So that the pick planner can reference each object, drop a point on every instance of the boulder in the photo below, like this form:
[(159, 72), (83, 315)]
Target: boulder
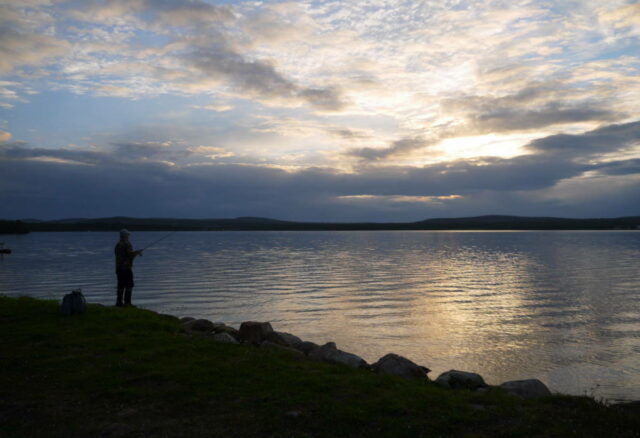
[(186, 319), (461, 380), (255, 332), (287, 339), (199, 325), (276, 339), (224, 337), (529, 388), (273, 346), (307, 347), (329, 353), (399, 366), (223, 328)]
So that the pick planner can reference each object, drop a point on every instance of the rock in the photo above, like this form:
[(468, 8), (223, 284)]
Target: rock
[(399, 366), (220, 327), (461, 380), (224, 337), (307, 347), (223, 328), (529, 388), (273, 346), (186, 319), (288, 339), (199, 325), (255, 332), (276, 339), (329, 353)]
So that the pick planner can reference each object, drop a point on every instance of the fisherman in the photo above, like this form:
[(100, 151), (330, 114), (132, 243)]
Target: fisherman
[(124, 264)]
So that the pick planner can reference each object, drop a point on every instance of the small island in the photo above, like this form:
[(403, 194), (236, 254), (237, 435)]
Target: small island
[(129, 372)]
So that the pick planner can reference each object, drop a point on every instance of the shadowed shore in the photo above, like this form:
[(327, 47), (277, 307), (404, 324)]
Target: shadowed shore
[(133, 372)]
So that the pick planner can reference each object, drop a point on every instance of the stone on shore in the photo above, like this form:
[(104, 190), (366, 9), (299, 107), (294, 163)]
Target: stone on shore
[(529, 388), (186, 319), (307, 347), (286, 339), (396, 365), (329, 353), (255, 332), (224, 337), (461, 380), (199, 325), (273, 346), (219, 327)]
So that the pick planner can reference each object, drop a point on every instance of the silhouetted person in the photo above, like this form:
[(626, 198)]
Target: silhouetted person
[(124, 268)]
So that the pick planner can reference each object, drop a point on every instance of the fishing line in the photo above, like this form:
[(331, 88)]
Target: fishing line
[(157, 241)]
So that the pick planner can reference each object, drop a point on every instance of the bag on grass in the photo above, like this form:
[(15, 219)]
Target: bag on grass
[(73, 303)]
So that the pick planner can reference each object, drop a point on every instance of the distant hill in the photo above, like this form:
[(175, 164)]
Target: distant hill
[(13, 227), (496, 222), (491, 222)]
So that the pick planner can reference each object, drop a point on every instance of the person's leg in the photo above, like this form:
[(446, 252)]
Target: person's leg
[(128, 288), (119, 300), (120, 297)]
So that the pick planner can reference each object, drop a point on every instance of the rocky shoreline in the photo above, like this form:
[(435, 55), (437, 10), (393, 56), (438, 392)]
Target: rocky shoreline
[(262, 335)]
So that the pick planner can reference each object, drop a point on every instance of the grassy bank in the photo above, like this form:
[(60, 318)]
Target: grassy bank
[(131, 372)]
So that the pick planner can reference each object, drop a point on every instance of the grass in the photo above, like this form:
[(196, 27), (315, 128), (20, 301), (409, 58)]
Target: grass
[(132, 372)]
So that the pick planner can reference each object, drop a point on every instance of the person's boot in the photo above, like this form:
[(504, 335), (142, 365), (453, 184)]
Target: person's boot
[(119, 302)]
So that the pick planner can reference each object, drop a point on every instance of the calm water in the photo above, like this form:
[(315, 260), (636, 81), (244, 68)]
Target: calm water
[(563, 307)]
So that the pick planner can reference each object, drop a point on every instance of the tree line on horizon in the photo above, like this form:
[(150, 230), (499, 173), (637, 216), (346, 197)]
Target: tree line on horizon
[(491, 222)]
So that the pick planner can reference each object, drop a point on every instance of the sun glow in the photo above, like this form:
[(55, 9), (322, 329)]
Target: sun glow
[(491, 145)]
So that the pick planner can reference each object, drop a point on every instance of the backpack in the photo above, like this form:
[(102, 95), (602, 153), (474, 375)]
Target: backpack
[(73, 303)]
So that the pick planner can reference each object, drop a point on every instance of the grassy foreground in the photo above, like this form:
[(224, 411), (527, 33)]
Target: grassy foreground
[(131, 372)]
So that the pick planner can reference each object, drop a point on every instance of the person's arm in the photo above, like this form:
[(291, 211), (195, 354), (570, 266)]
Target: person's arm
[(133, 253)]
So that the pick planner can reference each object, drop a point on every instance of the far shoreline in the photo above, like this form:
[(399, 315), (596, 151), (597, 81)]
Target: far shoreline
[(478, 223)]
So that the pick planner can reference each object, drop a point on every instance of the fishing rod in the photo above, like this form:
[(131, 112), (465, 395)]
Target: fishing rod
[(157, 241)]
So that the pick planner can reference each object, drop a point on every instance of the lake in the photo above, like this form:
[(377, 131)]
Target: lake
[(560, 306)]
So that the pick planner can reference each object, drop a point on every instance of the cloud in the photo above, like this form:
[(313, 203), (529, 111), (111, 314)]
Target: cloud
[(399, 147), (627, 16), (218, 108), (533, 107), (22, 42), (140, 179), (365, 92), (609, 138), (67, 188), (187, 13), (4, 136), (256, 78), (620, 167)]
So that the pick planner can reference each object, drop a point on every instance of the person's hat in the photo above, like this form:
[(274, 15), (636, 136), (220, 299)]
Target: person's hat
[(124, 232)]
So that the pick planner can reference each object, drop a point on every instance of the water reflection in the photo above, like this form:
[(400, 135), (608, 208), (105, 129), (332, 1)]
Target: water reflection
[(560, 306)]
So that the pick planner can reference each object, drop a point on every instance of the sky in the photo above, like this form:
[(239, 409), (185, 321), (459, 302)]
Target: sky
[(374, 110)]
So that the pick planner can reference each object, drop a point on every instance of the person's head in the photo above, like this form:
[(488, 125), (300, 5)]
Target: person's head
[(124, 234)]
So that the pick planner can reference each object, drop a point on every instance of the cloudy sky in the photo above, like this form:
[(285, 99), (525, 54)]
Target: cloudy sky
[(354, 110)]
